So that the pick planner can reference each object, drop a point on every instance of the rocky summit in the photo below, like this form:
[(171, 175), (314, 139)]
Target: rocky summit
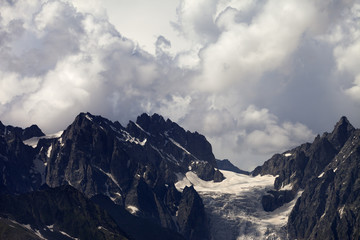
[(326, 171), (134, 166), (151, 179)]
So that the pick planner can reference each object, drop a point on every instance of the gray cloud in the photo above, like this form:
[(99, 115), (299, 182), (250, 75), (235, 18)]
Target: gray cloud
[(261, 76)]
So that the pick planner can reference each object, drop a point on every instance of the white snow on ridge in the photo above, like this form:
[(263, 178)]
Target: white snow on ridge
[(234, 206), (64, 233), (178, 145), (287, 187), (128, 138), (110, 176), (88, 117), (137, 125), (287, 154), (32, 142), (28, 227)]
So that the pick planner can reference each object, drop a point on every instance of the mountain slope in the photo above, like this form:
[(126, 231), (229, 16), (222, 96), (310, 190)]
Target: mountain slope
[(18, 161), (327, 171), (135, 166), (152, 179), (228, 166), (56, 213), (330, 203)]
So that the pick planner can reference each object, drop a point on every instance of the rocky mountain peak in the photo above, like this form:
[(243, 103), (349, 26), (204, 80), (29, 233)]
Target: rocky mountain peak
[(342, 130), (32, 131), (2, 128), (23, 134), (154, 124)]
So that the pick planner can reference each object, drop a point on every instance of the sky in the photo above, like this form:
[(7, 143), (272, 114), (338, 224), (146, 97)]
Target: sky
[(256, 77)]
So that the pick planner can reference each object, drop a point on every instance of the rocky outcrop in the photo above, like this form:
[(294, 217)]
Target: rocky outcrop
[(191, 216), (17, 165), (275, 199)]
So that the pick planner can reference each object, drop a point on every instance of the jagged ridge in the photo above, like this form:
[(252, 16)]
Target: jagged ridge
[(327, 171), (136, 166)]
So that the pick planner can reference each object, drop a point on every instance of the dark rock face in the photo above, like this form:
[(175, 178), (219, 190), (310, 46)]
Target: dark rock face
[(57, 210), (131, 165), (275, 199), (327, 171), (192, 149), (299, 165), (135, 227), (228, 166), (17, 165), (191, 216), (330, 203), (23, 134), (135, 166)]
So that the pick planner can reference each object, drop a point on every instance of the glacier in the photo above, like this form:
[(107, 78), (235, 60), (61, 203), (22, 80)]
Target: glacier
[(234, 208)]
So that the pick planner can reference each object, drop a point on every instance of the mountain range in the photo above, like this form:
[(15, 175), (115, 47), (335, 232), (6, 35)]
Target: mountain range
[(154, 180)]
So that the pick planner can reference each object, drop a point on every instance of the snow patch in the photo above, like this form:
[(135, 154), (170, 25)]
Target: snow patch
[(51, 227), (287, 187), (143, 142), (179, 146), (321, 175), (64, 233), (287, 154), (48, 154), (341, 211), (37, 233), (32, 142), (132, 209), (61, 142), (169, 157), (109, 175), (28, 227), (88, 117), (128, 138), (142, 129), (102, 228)]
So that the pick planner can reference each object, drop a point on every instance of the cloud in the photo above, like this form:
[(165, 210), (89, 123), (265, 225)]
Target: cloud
[(346, 37), (195, 20), (77, 62), (257, 77), (244, 52), (254, 134)]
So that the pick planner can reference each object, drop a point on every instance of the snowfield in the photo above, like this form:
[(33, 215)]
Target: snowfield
[(234, 206)]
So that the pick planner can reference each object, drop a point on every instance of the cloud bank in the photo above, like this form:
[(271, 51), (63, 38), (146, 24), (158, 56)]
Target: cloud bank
[(257, 77)]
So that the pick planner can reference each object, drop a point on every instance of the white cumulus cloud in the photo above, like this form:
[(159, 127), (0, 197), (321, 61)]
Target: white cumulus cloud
[(255, 77)]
